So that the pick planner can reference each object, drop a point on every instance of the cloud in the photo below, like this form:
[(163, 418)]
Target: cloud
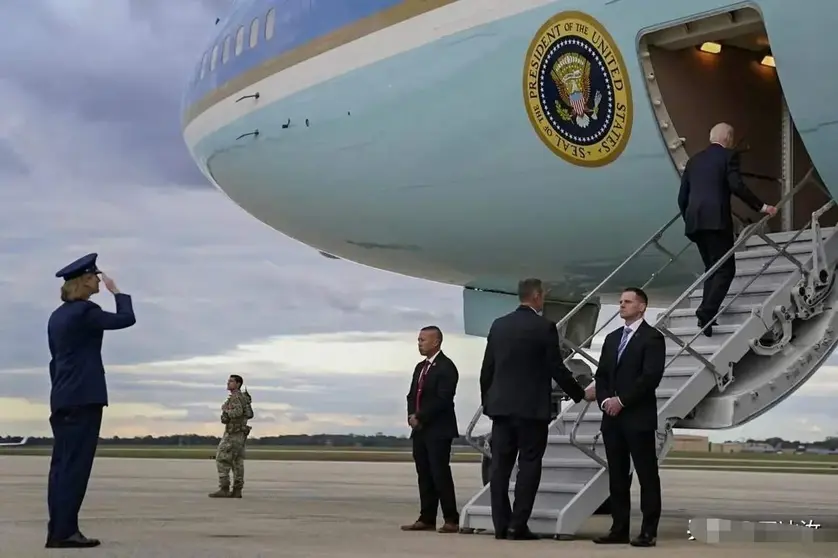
[(91, 159)]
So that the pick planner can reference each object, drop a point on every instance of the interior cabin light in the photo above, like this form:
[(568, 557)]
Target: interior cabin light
[(713, 48), (768, 60)]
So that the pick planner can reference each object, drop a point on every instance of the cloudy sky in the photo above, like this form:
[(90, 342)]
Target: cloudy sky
[(91, 159)]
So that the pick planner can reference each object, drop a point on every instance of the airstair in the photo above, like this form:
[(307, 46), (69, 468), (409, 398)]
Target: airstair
[(775, 328)]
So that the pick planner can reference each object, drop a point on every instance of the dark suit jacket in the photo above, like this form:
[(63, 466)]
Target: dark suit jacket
[(521, 360), (437, 418), (74, 333), (711, 176), (634, 379)]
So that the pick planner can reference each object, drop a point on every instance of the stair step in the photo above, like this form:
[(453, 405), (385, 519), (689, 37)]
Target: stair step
[(678, 372), (686, 359), (800, 251), (783, 237), (571, 470), (754, 295), (541, 520), (564, 439), (687, 333), (584, 463), (769, 279), (486, 511), (676, 376), (556, 487), (735, 314)]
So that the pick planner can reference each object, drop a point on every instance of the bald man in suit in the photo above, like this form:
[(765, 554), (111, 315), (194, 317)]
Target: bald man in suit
[(709, 179)]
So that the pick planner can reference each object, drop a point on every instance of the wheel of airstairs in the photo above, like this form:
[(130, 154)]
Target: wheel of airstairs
[(777, 325)]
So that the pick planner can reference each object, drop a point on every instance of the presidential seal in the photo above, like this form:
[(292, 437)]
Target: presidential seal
[(576, 90)]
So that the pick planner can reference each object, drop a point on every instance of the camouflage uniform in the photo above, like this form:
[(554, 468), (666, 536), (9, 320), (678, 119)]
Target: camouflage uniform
[(235, 412)]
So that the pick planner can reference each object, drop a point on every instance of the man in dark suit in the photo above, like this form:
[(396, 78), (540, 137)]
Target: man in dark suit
[(630, 369), (78, 393), (521, 360), (709, 179), (431, 416)]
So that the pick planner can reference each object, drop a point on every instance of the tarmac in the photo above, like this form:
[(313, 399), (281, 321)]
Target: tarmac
[(160, 508)]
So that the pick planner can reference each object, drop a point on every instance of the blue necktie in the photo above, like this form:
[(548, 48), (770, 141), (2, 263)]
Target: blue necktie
[(623, 342)]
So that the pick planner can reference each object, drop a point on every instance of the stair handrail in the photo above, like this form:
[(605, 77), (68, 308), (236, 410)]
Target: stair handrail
[(652, 240), (780, 252), (747, 232)]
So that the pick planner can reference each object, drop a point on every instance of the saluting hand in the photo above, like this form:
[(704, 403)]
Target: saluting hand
[(109, 284)]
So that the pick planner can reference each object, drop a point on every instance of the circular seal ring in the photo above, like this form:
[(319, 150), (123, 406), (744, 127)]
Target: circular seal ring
[(577, 91)]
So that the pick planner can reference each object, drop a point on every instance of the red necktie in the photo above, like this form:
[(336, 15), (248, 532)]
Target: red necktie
[(420, 383)]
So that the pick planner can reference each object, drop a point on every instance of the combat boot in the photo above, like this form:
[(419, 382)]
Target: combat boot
[(237, 492), (220, 493)]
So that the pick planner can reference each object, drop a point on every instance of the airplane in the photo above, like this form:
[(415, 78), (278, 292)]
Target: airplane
[(22, 442), (478, 142)]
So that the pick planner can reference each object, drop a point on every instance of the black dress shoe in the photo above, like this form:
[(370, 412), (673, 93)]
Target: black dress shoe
[(709, 331), (644, 540), (521, 535), (612, 538), (500, 534), (74, 541)]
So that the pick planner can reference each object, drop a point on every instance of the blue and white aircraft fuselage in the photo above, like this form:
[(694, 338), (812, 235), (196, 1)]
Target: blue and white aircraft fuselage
[(475, 142)]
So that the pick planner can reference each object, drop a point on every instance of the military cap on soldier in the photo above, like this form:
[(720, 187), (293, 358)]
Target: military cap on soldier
[(85, 264)]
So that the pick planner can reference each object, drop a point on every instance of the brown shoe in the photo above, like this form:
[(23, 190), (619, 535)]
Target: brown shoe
[(419, 526), (449, 527), (220, 493)]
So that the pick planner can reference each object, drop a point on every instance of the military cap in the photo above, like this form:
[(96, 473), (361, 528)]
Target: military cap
[(85, 264)]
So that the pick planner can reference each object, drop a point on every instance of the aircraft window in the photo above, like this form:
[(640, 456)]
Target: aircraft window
[(270, 21), (239, 40), (214, 59), (204, 59), (254, 33), (225, 54)]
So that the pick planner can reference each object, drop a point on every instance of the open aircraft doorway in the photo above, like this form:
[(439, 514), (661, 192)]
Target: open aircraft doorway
[(718, 67)]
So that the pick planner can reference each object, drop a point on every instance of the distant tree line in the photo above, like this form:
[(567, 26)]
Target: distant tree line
[(324, 440), (338, 440)]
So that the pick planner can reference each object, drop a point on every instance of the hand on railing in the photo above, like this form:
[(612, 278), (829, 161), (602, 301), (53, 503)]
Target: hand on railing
[(768, 209)]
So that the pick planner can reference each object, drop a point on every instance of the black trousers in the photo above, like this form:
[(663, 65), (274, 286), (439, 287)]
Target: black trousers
[(712, 245), (432, 457), (622, 443), (76, 435), (525, 440)]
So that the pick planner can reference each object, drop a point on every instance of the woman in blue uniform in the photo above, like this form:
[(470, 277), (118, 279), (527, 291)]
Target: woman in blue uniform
[(78, 393)]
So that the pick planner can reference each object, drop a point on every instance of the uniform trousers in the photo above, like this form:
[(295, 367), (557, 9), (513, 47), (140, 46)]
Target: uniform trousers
[(230, 455), (75, 433)]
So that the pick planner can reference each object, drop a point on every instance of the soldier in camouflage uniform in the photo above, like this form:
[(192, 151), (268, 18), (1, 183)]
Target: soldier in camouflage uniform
[(235, 412)]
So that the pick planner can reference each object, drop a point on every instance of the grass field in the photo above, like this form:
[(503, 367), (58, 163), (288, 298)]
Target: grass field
[(757, 462)]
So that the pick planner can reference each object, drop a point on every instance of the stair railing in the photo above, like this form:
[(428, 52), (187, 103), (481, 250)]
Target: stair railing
[(724, 379), (747, 232), (653, 240)]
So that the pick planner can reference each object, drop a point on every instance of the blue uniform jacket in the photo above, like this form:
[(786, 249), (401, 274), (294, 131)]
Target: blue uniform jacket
[(75, 332)]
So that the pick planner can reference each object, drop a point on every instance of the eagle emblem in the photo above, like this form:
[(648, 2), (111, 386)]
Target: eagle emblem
[(572, 75)]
